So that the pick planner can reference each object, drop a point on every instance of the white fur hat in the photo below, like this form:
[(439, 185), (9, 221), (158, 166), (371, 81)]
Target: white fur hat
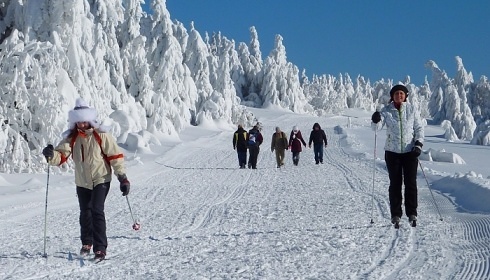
[(82, 113)]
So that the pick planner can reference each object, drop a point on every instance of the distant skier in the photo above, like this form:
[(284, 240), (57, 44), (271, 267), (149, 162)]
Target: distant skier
[(95, 153), (295, 141), (405, 135), (318, 137), (279, 144), (240, 145), (254, 141)]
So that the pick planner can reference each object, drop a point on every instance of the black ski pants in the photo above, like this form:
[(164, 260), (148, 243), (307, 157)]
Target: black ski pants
[(318, 150), (254, 154), (92, 216), (242, 158), (402, 168)]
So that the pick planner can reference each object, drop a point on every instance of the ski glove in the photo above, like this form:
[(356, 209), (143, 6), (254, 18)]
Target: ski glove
[(48, 151), (124, 187), (376, 117), (417, 149)]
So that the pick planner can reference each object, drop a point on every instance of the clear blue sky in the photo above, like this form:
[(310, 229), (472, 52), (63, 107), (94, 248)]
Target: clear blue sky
[(377, 39)]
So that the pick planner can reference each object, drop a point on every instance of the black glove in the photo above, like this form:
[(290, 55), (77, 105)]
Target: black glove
[(417, 149), (124, 187), (48, 151), (376, 117)]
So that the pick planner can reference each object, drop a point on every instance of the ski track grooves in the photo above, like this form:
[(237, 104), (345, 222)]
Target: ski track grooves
[(268, 223), (392, 259), (212, 204), (404, 246), (475, 255)]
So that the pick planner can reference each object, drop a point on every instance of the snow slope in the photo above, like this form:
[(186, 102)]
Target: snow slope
[(203, 218)]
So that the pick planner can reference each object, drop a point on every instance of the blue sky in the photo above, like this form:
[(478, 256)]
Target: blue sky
[(376, 39)]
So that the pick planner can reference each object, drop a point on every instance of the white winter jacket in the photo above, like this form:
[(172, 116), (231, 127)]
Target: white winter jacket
[(91, 168), (403, 127)]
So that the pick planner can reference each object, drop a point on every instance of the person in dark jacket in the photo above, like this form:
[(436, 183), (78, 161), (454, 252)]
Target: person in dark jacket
[(318, 137), (405, 137), (240, 145), (295, 141), (254, 141), (279, 143)]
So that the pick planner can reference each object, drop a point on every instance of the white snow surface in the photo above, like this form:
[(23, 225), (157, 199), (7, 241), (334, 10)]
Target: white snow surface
[(204, 218)]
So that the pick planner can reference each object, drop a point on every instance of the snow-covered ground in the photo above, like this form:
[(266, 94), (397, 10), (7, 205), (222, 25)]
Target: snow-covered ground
[(203, 218)]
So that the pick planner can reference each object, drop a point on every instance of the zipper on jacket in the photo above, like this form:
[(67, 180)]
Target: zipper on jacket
[(401, 129), (83, 154)]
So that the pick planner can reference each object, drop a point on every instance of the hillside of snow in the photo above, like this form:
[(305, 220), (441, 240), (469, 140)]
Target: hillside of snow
[(204, 218)]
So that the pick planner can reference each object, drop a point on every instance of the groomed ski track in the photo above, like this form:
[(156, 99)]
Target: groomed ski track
[(203, 218)]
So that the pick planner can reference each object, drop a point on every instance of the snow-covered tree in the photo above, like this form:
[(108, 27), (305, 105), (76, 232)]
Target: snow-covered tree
[(175, 91), (281, 86), (449, 133), (449, 102), (482, 134)]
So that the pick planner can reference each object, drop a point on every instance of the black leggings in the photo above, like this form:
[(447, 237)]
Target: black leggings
[(92, 217), (402, 168)]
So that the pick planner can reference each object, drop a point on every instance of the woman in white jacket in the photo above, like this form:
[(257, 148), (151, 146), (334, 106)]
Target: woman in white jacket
[(404, 141), (96, 155)]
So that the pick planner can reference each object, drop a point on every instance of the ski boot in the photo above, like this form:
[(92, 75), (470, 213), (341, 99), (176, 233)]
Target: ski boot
[(413, 220), (396, 222), (99, 256), (85, 251)]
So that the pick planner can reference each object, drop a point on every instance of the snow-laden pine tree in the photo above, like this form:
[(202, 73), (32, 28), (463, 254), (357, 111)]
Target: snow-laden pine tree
[(424, 95), (175, 91), (362, 97), (196, 58), (325, 93), (280, 85), (55, 52), (449, 101), (439, 83), (136, 73), (463, 79), (251, 60), (237, 73), (482, 134), (481, 100)]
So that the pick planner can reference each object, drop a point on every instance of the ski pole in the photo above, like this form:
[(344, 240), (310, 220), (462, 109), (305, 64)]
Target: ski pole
[(374, 173), (45, 255), (427, 181), (136, 225)]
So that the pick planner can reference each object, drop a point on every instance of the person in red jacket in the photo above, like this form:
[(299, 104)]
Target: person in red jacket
[(295, 141)]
